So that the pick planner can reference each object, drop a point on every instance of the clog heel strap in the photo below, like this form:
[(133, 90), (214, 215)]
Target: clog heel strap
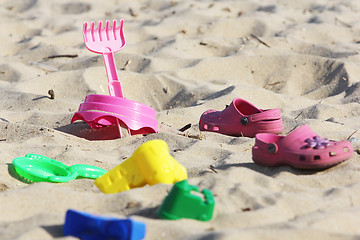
[(266, 115)]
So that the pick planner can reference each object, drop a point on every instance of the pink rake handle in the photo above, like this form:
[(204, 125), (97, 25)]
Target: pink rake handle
[(114, 83), (113, 79)]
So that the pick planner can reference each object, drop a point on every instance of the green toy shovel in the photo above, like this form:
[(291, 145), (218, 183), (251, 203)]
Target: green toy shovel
[(38, 168)]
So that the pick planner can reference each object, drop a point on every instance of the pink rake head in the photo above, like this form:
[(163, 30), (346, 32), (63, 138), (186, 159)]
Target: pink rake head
[(108, 39)]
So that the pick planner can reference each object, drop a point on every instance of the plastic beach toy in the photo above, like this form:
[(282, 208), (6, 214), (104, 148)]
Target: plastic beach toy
[(302, 148), (150, 164), (182, 203), (38, 168), (99, 110), (241, 118), (91, 227)]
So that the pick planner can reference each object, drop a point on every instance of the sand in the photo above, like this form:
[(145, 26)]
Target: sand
[(182, 58)]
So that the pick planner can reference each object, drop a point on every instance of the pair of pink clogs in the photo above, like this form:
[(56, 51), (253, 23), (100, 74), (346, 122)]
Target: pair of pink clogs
[(302, 148)]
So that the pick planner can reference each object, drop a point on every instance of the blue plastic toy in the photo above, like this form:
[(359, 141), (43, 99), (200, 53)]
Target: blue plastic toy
[(91, 227)]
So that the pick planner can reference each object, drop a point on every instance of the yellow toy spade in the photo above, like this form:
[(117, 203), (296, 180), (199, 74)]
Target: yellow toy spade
[(150, 164)]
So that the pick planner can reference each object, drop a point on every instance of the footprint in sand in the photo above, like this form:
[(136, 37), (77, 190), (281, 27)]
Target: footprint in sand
[(8, 74), (19, 5), (326, 52), (319, 78), (75, 8), (352, 93)]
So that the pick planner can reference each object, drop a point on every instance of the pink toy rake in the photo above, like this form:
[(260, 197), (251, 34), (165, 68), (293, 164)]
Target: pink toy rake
[(101, 110), (107, 41)]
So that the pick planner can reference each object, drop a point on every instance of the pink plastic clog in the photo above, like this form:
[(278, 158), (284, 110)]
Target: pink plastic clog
[(241, 118), (302, 148)]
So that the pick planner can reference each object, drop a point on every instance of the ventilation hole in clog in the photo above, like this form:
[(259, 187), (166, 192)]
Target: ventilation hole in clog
[(302, 158), (205, 126), (316, 157), (331, 154), (346, 149), (216, 129)]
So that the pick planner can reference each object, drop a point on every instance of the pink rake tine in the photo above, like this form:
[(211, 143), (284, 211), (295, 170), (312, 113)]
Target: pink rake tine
[(106, 41), (107, 29), (100, 23), (92, 30)]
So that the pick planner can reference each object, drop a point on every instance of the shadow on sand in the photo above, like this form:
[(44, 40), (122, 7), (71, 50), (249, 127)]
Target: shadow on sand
[(83, 130)]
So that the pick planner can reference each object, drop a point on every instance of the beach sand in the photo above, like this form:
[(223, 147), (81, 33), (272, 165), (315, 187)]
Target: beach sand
[(182, 58)]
